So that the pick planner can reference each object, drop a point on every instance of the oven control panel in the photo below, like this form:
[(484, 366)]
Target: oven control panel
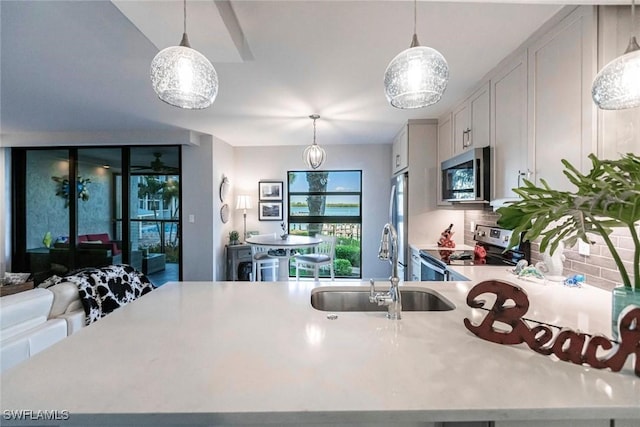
[(492, 235)]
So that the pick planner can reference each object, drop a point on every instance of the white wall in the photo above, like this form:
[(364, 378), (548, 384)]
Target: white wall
[(253, 164), (204, 239), (5, 213)]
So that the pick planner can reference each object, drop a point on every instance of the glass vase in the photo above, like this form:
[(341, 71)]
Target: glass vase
[(622, 298)]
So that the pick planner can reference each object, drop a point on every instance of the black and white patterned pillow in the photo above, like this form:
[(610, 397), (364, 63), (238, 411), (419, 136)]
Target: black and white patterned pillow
[(103, 290)]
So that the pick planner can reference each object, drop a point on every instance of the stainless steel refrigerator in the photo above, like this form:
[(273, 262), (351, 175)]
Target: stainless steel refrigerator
[(398, 216)]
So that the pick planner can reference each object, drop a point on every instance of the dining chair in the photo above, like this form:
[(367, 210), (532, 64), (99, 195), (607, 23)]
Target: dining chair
[(323, 254), (261, 260)]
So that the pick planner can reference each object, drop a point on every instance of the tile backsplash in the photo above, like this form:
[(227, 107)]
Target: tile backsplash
[(598, 267)]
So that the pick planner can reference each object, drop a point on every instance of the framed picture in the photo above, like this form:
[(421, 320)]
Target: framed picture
[(270, 190), (270, 211)]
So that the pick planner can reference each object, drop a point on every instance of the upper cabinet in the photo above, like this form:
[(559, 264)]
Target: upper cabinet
[(471, 121), (415, 146), (537, 107), (562, 124), (423, 170), (400, 151), (509, 127)]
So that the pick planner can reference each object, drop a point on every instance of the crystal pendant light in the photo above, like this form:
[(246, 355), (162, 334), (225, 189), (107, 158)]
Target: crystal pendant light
[(314, 155), (416, 77), (182, 76), (617, 85)]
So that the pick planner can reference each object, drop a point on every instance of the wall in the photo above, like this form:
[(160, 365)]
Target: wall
[(204, 239), (253, 164), (599, 268), (5, 212), (223, 165)]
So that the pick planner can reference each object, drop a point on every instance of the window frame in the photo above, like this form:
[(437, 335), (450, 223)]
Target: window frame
[(326, 219)]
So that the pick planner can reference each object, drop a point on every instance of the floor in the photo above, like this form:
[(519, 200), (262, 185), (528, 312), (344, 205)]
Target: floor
[(169, 274)]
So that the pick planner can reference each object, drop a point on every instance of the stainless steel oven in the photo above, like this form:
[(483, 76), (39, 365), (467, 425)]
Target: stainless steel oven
[(491, 249), (432, 269)]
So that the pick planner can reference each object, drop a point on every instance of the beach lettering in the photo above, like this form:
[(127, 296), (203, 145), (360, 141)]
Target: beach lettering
[(509, 309)]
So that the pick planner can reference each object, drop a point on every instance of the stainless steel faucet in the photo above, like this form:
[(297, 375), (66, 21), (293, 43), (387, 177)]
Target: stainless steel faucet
[(389, 251)]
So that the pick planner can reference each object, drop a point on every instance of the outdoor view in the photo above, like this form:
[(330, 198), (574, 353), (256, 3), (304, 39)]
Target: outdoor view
[(329, 202)]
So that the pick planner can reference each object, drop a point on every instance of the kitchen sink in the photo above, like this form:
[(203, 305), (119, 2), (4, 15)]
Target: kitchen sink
[(357, 299)]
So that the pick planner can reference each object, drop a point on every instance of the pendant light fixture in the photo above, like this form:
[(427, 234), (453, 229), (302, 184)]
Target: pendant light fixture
[(617, 85), (314, 155), (416, 77), (182, 76)]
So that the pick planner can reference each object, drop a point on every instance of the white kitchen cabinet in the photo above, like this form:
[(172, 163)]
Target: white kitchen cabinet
[(423, 175), (400, 151), (561, 113), (445, 150), (471, 121), (509, 127)]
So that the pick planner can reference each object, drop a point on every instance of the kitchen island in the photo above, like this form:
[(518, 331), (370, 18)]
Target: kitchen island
[(206, 353)]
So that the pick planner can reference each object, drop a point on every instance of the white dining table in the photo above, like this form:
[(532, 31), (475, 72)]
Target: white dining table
[(286, 249)]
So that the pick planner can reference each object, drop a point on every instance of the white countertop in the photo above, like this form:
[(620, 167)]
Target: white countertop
[(435, 247), (242, 352)]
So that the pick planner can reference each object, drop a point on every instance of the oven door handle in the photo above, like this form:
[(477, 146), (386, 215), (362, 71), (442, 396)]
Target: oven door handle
[(436, 266)]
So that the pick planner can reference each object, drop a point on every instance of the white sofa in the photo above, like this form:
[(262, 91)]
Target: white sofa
[(33, 320)]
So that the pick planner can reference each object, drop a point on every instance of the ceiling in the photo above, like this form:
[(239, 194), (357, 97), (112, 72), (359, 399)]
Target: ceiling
[(83, 66)]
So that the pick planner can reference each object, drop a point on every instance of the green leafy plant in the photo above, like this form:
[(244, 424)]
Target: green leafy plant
[(350, 253), (234, 236), (607, 197), (342, 267)]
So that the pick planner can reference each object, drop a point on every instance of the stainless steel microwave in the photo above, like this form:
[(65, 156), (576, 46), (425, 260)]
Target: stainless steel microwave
[(467, 176)]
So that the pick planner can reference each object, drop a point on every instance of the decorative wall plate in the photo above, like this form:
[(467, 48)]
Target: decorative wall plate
[(224, 189), (224, 213)]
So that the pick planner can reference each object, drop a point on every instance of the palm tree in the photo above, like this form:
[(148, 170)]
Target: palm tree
[(317, 183), (151, 188)]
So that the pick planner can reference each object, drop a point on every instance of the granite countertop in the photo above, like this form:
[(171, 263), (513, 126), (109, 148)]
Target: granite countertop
[(247, 353)]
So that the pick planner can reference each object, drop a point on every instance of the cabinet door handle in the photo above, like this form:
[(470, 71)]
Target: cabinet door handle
[(397, 160), (466, 142), (521, 174)]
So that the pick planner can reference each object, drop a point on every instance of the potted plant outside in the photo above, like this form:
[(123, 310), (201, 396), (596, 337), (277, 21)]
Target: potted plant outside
[(234, 236), (606, 197)]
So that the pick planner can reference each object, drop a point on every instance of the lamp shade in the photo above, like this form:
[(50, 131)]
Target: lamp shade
[(417, 77), (314, 156), (243, 202), (617, 85), (183, 77)]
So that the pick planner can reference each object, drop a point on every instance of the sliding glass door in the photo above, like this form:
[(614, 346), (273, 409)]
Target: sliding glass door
[(89, 207), (154, 215)]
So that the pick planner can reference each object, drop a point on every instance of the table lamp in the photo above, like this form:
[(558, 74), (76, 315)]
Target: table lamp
[(244, 202)]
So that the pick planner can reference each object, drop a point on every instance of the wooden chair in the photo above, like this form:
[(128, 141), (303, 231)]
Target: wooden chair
[(262, 261), (323, 254)]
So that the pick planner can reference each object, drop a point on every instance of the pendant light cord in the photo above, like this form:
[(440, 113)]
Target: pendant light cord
[(415, 14), (314, 131), (633, 15), (184, 9), (414, 39), (633, 44)]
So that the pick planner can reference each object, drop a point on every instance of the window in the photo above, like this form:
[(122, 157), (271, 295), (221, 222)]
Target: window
[(329, 202)]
